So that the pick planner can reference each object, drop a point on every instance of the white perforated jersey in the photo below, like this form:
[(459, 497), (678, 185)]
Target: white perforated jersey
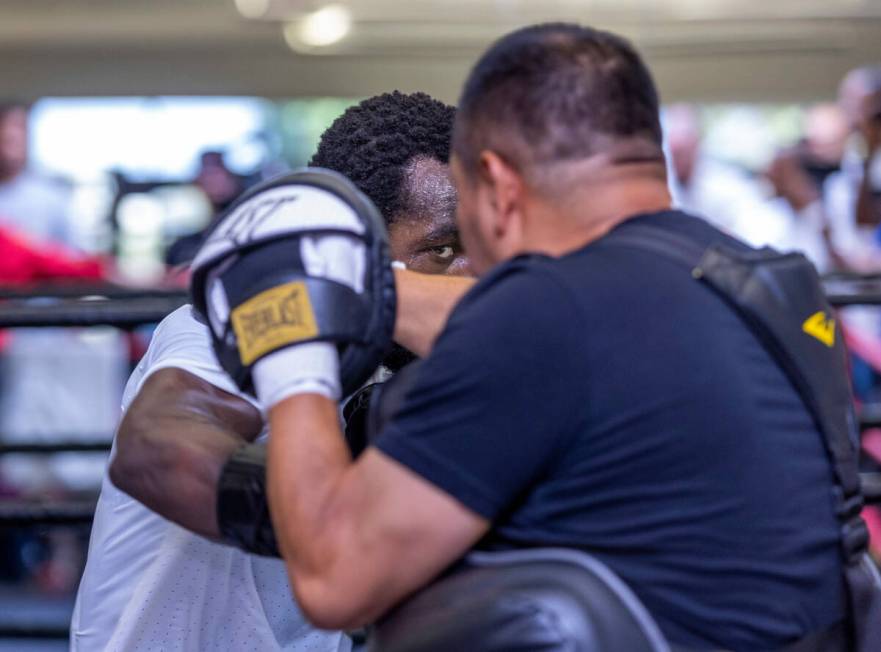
[(151, 585)]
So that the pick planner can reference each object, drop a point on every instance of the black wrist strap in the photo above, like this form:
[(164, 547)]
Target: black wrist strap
[(242, 507)]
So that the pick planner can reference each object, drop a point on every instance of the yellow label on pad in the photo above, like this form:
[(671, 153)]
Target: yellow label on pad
[(274, 318), (820, 326)]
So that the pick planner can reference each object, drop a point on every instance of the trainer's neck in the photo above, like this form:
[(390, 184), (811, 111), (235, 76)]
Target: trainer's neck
[(588, 207)]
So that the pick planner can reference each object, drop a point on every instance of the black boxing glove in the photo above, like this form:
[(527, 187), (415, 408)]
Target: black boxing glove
[(242, 505)]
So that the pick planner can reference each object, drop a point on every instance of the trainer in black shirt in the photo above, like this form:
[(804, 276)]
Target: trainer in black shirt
[(605, 400), (583, 394)]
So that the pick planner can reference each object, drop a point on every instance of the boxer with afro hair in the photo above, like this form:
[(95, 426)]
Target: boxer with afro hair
[(390, 132), (396, 147)]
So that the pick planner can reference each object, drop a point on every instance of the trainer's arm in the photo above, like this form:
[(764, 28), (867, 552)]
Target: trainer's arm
[(356, 537), (173, 442), (425, 301)]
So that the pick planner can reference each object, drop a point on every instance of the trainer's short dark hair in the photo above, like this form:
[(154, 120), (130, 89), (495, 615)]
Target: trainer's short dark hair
[(555, 92), (374, 143)]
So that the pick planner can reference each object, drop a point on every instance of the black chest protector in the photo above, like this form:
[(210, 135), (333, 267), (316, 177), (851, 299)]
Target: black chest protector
[(780, 298)]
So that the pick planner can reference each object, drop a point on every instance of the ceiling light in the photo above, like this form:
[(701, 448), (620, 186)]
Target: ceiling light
[(252, 8), (319, 29)]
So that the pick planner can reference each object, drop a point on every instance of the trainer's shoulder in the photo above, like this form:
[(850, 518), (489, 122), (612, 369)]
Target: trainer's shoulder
[(525, 295), (521, 279)]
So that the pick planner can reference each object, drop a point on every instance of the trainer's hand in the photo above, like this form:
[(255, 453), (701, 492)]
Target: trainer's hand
[(297, 289)]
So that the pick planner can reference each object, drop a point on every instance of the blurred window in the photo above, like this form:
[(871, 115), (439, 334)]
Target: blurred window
[(132, 161)]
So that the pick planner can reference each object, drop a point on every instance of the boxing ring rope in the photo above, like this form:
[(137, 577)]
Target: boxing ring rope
[(77, 305), (83, 290), (867, 298), (46, 513), (32, 631), (61, 445), (71, 305), (120, 312)]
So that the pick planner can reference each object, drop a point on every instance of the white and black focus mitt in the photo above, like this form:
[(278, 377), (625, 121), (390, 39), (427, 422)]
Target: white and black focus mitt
[(296, 285)]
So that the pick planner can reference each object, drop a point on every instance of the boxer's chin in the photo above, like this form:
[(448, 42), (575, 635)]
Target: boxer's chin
[(398, 358)]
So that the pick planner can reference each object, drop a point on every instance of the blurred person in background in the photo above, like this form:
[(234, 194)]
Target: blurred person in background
[(797, 176), (221, 186), (699, 183), (22, 262), (33, 202), (851, 199), (38, 393), (55, 384), (821, 148), (728, 197), (853, 195)]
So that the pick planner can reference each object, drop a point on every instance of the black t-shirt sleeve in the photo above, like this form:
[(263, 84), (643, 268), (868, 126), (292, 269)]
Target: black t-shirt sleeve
[(494, 402)]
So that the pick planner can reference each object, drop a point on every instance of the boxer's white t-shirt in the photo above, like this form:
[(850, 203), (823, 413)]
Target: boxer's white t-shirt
[(151, 585)]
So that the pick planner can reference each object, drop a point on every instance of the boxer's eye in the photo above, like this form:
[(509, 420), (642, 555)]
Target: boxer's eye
[(444, 253)]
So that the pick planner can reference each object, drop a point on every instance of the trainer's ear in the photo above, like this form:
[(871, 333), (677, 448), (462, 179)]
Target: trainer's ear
[(506, 190)]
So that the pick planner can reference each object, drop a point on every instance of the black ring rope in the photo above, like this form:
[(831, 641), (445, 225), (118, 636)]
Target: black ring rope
[(33, 631), (16, 514), (60, 445), (122, 313), (81, 290), (108, 305), (871, 485), (855, 299)]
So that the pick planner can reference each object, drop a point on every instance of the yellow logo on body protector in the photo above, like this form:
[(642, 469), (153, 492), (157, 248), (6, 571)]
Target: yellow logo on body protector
[(820, 326), (274, 318)]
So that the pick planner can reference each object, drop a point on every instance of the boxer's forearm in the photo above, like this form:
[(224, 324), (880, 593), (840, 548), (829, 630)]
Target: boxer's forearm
[(424, 304), (173, 442)]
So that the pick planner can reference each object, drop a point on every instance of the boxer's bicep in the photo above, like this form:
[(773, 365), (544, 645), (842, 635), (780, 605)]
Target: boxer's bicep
[(173, 442)]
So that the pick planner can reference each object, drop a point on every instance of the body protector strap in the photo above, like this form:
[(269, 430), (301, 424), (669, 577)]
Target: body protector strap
[(780, 298)]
